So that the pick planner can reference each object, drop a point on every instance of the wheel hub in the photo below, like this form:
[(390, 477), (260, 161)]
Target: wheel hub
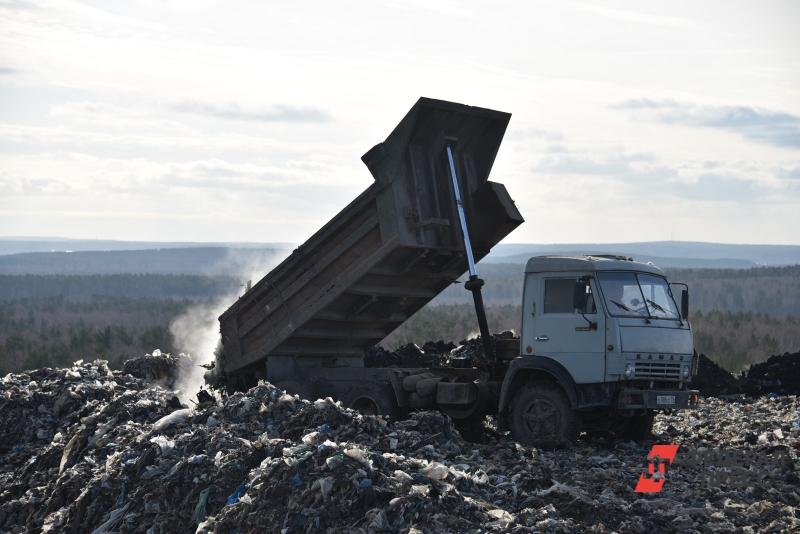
[(541, 418)]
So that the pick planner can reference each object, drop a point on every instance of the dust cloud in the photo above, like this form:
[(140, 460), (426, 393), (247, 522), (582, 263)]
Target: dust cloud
[(196, 331)]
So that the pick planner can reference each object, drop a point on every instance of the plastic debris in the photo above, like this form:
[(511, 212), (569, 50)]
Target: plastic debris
[(200, 510), (178, 416), (237, 493)]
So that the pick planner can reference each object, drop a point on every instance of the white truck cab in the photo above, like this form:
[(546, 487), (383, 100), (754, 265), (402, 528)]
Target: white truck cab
[(630, 320), (611, 333)]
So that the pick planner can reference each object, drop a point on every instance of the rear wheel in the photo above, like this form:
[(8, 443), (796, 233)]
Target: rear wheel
[(371, 399), (541, 412)]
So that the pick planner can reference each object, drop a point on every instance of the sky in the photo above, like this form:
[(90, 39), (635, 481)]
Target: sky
[(201, 120)]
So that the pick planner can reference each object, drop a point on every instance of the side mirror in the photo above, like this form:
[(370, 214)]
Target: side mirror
[(579, 295), (685, 304)]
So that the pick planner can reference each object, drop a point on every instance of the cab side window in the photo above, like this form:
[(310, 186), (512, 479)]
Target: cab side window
[(558, 295)]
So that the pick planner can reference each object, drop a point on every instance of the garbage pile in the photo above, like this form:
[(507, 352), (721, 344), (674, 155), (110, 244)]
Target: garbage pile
[(780, 374), (469, 352), (86, 449), (432, 354), (711, 379)]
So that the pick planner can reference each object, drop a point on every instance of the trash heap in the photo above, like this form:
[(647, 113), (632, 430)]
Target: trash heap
[(780, 374), (432, 354), (471, 350), (86, 449), (711, 379)]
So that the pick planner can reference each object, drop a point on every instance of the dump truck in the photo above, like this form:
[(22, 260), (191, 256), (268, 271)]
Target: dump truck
[(602, 343)]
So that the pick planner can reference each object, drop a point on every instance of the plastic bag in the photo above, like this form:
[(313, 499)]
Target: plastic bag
[(178, 416), (166, 447)]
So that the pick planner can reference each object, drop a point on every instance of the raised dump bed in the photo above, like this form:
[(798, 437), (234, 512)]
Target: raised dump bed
[(384, 256)]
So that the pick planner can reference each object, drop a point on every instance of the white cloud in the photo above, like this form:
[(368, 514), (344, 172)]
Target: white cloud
[(246, 121), (274, 113), (777, 128)]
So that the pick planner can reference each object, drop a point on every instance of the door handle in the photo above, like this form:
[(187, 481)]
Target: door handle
[(542, 338)]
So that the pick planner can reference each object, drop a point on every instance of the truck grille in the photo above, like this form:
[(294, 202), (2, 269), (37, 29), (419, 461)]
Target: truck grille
[(670, 371)]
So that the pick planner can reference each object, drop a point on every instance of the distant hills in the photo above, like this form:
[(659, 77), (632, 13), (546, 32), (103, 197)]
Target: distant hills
[(252, 262), (17, 245), (666, 254), (49, 256), (664, 263)]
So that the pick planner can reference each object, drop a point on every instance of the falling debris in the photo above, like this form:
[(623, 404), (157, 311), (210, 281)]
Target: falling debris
[(157, 367)]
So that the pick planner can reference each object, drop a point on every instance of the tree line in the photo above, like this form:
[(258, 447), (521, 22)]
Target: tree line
[(53, 331), (738, 316)]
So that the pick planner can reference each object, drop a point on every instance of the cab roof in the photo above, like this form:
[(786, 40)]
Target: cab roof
[(540, 264)]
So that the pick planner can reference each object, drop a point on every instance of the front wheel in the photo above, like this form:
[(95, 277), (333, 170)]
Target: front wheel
[(541, 412)]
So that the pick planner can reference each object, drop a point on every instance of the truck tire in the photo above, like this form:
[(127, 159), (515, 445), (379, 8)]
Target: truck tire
[(371, 399), (541, 413), (294, 388), (636, 428)]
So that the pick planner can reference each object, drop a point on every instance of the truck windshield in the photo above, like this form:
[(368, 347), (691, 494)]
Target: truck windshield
[(657, 296), (637, 294)]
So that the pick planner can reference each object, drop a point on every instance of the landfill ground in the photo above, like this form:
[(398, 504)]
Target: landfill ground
[(85, 449)]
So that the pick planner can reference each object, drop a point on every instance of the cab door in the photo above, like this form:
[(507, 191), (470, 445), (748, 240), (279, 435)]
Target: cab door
[(560, 331)]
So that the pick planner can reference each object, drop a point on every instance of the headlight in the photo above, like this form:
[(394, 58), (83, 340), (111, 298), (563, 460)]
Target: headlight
[(685, 372), (628, 370)]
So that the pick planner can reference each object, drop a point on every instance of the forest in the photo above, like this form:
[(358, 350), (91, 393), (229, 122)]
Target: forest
[(54, 331), (739, 316)]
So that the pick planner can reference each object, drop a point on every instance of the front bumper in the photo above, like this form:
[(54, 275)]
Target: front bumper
[(657, 399)]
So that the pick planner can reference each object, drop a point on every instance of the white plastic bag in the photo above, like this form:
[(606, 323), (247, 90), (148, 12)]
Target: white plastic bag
[(178, 416)]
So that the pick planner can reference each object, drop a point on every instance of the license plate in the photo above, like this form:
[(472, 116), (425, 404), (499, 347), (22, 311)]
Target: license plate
[(665, 399)]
